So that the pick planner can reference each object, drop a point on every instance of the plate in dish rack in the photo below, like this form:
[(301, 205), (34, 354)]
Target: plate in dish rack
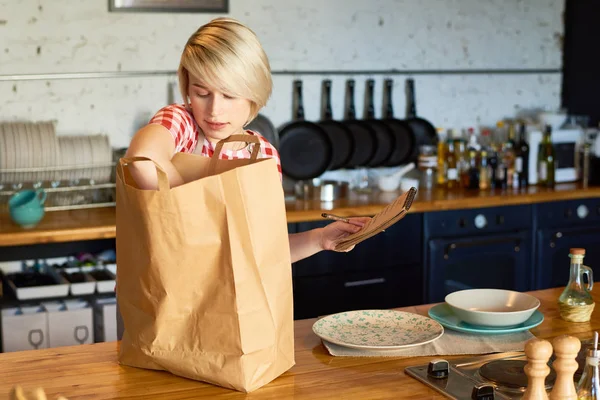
[(377, 329)]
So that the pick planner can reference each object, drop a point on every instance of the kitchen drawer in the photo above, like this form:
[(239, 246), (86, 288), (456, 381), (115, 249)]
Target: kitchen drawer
[(477, 221), (568, 213), (322, 295), (401, 244)]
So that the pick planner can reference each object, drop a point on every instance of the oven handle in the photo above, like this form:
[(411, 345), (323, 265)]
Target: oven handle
[(455, 246)]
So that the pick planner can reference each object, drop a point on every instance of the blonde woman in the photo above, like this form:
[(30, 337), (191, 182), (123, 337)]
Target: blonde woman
[(225, 79)]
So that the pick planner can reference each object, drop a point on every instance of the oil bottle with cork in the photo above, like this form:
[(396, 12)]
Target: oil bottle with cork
[(576, 304)]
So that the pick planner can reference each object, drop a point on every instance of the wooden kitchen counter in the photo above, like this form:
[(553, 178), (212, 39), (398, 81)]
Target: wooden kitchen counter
[(91, 224), (92, 371)]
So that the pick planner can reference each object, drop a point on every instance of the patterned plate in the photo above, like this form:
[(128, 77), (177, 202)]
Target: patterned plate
[(377, 329)]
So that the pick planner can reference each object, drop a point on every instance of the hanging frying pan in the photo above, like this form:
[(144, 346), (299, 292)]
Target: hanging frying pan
[(263, 125), (304, 147), (405, 138), (425, 133), (365, 138), (386, 140), (339, 134)]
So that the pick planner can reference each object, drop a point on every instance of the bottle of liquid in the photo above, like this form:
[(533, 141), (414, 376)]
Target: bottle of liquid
[(546, 160), (509, 153), (474, 172), (484, 172), (442, 148), (588, 387), (451, 167), (522, 158), (576, 304)]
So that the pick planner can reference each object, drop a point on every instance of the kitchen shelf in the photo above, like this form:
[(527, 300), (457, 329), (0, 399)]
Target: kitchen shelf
[(99, 223)]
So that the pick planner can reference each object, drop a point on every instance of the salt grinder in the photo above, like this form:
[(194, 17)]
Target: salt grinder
[(565, 348)]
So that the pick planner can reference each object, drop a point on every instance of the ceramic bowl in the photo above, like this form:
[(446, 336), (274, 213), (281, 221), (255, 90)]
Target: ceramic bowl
[(492, 307)]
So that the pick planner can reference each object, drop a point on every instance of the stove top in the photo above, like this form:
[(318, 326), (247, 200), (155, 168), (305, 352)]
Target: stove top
[(486, 377)]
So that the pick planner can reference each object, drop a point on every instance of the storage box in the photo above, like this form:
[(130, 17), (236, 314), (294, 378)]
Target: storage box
[(22, 331), (80, 288), (72, 324), (105, 319), (59, 289)]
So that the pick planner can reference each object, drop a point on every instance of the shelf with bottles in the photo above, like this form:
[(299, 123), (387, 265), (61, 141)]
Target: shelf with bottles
[(499, 158)]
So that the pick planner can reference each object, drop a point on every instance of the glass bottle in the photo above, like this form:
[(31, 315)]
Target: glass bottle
[(509, 154), (588, 387), (451, 167), (485, 172), (546, 160), (576, 304), (522, 160), (442, 148), (474, 173)]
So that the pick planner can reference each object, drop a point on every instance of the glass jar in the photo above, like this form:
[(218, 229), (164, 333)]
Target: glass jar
[(576, 304), (427, 164)]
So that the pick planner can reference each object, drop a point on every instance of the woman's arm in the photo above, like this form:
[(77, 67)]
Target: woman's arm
[(155, 142), (305, 244)]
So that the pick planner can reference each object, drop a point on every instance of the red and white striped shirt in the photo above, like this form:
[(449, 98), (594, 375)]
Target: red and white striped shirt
[(182, 125)]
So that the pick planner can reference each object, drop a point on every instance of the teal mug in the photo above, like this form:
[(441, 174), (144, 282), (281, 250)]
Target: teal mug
[(26, 207)]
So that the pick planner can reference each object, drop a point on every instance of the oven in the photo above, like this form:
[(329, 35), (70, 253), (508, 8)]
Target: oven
[(567, 143), (477, 248), (560, 226)]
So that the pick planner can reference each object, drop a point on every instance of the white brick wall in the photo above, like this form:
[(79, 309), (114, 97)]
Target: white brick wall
[(42, 36)]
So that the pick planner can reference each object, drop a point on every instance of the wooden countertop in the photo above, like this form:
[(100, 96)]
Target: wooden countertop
[(91, 224), (92, 371)]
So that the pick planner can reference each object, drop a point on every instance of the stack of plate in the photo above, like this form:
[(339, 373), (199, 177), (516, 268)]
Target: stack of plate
[(31, 152), (377, 330), (488, 311), (89, 157), (26, 145)]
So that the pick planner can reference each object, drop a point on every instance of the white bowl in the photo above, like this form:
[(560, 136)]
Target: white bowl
[(492, 307)]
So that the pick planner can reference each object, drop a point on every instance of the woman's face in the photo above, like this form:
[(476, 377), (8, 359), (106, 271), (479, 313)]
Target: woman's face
[(218, 116)]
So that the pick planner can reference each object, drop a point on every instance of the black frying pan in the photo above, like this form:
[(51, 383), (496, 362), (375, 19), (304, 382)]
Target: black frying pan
[(304, 147), (339, 134), (263, 125), (405, 138), (365, 138), (386, 141), (425, 133)]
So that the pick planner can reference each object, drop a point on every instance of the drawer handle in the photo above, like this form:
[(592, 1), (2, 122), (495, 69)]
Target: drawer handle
[(364, 282), (454, 246), (35, 338)]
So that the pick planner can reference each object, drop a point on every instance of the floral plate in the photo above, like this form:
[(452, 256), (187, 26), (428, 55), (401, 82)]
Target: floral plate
[(377, 329)]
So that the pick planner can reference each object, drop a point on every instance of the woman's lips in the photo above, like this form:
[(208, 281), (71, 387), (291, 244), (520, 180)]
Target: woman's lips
[(216, 125)]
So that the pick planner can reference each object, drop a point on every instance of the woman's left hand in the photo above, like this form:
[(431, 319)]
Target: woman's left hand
[(333, 233)]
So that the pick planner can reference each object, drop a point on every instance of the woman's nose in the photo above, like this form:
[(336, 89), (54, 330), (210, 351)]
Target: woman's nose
[(216, 105)]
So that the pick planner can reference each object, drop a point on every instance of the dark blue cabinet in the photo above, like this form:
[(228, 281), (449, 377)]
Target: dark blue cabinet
[(561, 226), (382, 272)]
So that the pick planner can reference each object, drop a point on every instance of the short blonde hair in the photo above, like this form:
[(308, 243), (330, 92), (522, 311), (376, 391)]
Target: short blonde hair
[(227, 56)]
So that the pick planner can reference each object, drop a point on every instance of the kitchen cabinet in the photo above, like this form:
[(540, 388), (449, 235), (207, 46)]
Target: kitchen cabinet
[(382, 272), (478, 248), (560, 226)]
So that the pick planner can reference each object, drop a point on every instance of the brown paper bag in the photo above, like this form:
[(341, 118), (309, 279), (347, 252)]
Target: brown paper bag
[(204, 279)]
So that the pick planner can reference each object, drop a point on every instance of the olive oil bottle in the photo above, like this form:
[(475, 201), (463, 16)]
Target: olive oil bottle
[(546, 160)]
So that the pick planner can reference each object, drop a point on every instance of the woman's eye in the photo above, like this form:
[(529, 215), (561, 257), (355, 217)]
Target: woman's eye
[(228, 97), (202, 94)]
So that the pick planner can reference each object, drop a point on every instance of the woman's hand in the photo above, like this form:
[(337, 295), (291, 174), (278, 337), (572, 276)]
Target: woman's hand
[(335, 232)]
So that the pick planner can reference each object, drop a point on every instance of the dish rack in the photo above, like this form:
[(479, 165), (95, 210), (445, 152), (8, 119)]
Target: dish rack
[(76, 192)]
